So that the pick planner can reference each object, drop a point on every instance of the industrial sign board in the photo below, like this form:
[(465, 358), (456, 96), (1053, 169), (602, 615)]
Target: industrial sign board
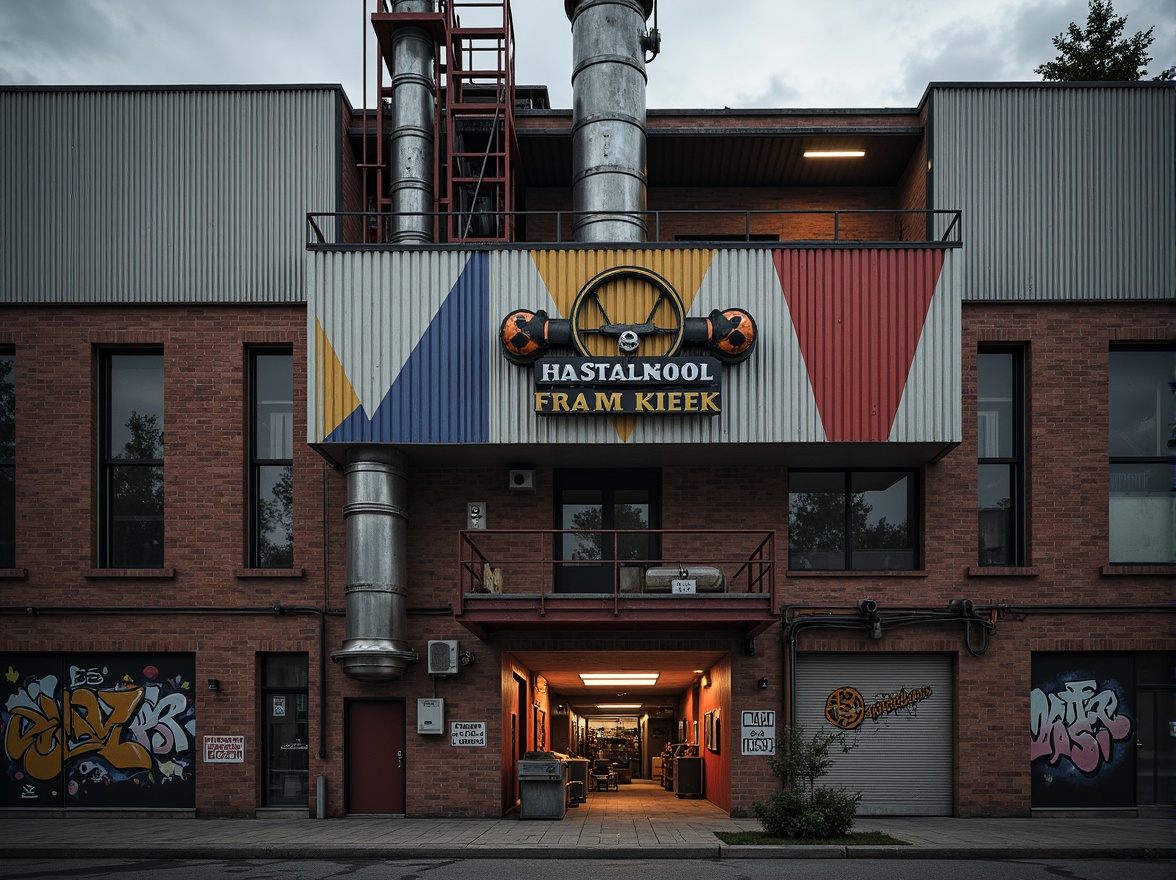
[(758, 733), (224, 750), (686, 385), (469, 734), (627, 327)]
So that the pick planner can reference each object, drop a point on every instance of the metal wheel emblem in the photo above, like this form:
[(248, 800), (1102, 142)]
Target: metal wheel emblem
[(627, 310)]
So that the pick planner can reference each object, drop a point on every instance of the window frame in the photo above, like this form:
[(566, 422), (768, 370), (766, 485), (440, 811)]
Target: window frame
[(8, 471), (108, 463), (258, 463), (1160, 458), (1014, 462), (913, 525)]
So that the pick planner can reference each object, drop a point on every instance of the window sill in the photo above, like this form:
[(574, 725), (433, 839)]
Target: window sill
[(1157, 569), (14, 572), (1012, 571), (270, 572), (130, 573), (838, 572)]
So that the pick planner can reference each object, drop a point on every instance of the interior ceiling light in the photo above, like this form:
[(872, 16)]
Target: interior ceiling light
[(617, 679), (834, 154), (618, 705)]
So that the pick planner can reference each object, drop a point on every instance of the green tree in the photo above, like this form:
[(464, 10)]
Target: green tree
[(1099, 53)]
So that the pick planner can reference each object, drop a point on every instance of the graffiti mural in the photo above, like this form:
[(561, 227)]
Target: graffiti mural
[(98, 731), (1082, 730)]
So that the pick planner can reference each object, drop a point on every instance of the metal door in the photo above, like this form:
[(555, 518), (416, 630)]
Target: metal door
[(373, 758), (896, 712)]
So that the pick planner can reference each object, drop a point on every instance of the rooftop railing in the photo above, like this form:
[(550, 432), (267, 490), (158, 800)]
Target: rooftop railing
[(729, 227)]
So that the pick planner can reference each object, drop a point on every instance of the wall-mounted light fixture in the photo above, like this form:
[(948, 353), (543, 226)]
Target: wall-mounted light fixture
[(706, 680), (763, 683), (214, 684)]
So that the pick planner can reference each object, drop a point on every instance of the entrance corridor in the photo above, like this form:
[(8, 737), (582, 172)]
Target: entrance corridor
[(640, 813)]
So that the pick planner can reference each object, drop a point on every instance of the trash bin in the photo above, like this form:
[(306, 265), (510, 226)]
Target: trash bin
[(578, 779), (543, 788)]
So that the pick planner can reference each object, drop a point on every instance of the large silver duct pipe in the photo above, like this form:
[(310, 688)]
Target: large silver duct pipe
[(376, 512), (609, 42), (414, 94)]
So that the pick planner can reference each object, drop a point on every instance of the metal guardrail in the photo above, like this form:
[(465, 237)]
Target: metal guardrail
[(848, 226), (534, 561)]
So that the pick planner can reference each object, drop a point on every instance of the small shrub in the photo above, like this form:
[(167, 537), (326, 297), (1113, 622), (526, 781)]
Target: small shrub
[(802, 810), (790, 814)]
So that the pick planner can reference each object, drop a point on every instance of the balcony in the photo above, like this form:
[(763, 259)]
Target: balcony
[(657, 579)]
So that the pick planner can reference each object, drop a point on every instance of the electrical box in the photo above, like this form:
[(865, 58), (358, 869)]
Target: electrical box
[(430, 715), (443, 658)]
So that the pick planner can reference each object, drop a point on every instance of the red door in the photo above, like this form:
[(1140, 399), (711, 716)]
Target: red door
[(374, 756)]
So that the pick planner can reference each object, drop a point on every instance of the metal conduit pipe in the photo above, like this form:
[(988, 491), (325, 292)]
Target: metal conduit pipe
[(609, 41), (375, 646), (414, 94)]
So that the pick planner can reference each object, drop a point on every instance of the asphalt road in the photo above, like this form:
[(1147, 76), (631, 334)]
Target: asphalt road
[(588, 869)]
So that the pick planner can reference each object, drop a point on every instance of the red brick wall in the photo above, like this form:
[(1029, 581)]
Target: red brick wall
[(205, 414)]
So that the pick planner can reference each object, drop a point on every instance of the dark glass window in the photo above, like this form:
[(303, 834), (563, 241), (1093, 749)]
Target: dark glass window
[(854, 520), (131, 453), (271, 464), (1142, 441), (1000, 450), (591, 501), (7, 459), (285, 739)]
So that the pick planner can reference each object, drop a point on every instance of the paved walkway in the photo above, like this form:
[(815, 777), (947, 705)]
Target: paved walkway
[(639, 821)]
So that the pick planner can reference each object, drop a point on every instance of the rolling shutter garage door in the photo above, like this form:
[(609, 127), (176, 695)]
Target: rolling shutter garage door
[(897, 712)]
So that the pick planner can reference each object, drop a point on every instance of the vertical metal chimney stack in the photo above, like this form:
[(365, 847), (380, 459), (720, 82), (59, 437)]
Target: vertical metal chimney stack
[(609, 41), (375, 647), (414, 94)]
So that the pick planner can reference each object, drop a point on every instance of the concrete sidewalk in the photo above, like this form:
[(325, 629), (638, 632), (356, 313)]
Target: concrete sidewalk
[(577, 836)]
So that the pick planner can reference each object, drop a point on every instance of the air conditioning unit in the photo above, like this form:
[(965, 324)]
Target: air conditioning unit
[(443, 658)]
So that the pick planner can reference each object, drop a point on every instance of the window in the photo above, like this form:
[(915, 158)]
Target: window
[(852, 520), (1142, 441), (7, 459), (131, 455), (1000, 444), (271, 460)]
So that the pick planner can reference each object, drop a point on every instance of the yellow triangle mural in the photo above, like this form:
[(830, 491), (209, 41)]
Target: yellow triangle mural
[(566, 272), (336, 396)]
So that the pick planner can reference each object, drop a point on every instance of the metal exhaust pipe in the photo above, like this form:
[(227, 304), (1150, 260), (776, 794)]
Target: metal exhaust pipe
[(375, 646), (414, 94), (609, 41)]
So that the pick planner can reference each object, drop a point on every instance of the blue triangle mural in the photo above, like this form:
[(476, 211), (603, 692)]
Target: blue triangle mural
[(441, 394)]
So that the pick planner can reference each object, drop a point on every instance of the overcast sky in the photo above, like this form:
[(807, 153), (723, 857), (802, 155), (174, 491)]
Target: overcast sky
[(736, 53)]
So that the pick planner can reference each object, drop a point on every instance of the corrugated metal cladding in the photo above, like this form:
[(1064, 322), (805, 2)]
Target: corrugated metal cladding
[(855, 345), (1067, 192), (163, 195), (902, 744)]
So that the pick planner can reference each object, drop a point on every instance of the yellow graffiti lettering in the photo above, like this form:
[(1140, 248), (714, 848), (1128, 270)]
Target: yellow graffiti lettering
[(95, 722), (35, 738)]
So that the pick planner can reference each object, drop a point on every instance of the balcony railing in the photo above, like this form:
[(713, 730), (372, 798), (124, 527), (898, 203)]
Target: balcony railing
[(546, 564), (815, 226)]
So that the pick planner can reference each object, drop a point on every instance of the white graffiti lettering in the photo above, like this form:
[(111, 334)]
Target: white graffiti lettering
[(1079, 722)]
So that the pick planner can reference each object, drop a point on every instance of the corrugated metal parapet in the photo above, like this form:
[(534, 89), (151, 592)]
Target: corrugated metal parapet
[(1068, 190), (855, 345), (163, 195)]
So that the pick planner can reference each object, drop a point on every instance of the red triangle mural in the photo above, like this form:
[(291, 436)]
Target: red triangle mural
[(858, 315)]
